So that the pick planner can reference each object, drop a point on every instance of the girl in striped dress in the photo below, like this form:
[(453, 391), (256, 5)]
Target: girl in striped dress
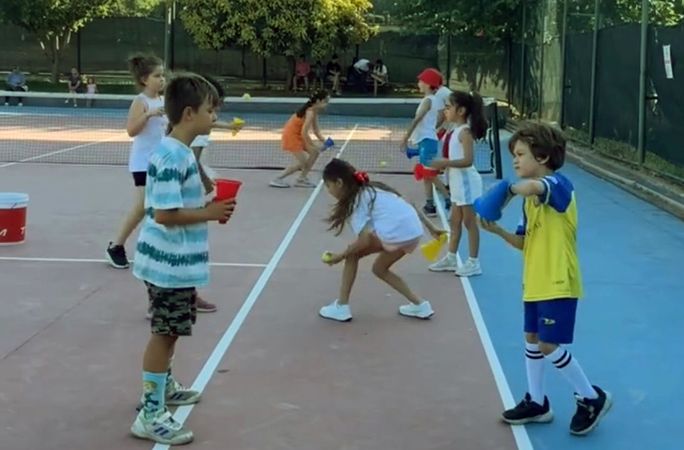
[(465, 113)]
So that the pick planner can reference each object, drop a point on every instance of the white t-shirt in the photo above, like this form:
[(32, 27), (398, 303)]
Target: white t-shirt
[(380, 70), (391, 217), (145, 142), (426, 128), (362, 64), (442, 97)]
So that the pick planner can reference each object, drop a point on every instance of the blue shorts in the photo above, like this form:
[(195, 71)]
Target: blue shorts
[(428, 151), (552, 320)]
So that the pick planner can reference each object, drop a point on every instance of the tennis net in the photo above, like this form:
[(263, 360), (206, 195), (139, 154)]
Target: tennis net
[(90, 129)]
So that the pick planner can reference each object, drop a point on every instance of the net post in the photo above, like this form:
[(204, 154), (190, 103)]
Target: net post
[(498, 170)]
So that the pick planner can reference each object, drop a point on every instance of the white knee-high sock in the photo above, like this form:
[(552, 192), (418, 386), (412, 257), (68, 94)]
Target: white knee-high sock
[(572, 371), (534, 361)]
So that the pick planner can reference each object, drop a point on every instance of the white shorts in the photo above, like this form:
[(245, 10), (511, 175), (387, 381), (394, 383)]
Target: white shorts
[(465, 186)]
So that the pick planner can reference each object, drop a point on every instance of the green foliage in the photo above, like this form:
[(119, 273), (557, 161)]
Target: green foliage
[(277, 27), (136, 8), (52, 17), (54, 21), (493, 19), (500, 18)]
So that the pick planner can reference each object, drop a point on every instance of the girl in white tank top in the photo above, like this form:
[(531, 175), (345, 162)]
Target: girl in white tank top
[(146, 124), (465, 114)]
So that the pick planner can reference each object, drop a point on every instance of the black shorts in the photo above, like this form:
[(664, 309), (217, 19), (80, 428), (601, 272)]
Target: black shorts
[(139, 178)]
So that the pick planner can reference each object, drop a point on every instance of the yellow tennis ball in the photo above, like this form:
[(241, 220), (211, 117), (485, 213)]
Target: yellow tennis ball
[(326, 257), (383, 163), (246, 96)]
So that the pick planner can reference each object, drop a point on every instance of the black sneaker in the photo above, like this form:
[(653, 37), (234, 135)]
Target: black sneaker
[(116, 255), (528, 411), (590, 412), (430, 210)]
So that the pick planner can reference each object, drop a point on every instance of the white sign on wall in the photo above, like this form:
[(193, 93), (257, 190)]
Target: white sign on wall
[(667, 58)]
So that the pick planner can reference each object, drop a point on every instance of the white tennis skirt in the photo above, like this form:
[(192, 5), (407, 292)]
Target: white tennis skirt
[(465, 185)]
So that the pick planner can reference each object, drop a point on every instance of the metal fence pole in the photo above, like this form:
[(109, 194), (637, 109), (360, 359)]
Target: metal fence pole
[(542, 35), (642, 81), (564, 47), (522, 62), (594, 65), (167, 34)]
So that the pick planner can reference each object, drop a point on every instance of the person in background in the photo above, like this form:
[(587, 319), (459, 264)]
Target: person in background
[(302, 72), (334, 71), (91, 90), (16, 82), (75, 85), (379, 75)]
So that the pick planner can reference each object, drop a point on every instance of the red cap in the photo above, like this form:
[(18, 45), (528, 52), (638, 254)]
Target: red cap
[(431, 77)]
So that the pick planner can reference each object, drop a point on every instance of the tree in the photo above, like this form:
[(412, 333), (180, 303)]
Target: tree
[(278, 27), (494, 19), (52, 21), (136, 8)]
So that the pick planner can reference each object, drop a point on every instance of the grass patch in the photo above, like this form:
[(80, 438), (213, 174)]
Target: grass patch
[(627, 153)]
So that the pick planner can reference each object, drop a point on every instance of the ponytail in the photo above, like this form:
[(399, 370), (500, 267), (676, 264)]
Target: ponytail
[(478, 123), (474, 106), (317, 96)]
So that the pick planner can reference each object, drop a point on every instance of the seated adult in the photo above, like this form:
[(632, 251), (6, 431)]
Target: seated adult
[(16, 82), (361, 70), (333, 72), (379, 75), (302, 72)]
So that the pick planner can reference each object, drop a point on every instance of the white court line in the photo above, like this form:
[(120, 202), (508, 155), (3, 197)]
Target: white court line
[(57, 152), (223, 344), (85, 260), (522, 439)]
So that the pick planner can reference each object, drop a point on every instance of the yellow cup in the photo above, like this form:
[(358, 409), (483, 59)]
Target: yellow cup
[(432, 249)]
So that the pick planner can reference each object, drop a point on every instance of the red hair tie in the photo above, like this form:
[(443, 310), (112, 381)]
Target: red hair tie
[(361, 177)]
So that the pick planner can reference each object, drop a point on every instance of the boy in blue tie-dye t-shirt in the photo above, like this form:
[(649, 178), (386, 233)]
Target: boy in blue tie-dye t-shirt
[(172, 256)]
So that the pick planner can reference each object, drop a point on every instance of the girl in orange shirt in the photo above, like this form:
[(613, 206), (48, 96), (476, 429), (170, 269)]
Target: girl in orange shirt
[(296, 140)]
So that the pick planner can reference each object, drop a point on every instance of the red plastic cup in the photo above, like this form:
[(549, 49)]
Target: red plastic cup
[(226, 189), (421, 172)]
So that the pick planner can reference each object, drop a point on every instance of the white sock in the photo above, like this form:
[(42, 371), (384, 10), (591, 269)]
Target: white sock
[(534, 361), (475, 260), (451, 256), (572, 371)]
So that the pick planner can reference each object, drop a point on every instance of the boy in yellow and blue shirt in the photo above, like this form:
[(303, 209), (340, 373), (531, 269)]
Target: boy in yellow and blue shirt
[(552, 282)]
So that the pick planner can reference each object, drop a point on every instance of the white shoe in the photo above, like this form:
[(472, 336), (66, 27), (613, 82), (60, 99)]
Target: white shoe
[(445, 264), (278, 184), (470, 268), (335, 311), (422, 311), (162, 428), (305, 183)]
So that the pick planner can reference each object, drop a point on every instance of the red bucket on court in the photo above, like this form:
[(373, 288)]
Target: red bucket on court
[(13, 207)]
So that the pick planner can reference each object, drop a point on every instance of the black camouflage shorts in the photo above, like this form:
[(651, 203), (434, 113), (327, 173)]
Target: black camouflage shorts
[(174, 310)]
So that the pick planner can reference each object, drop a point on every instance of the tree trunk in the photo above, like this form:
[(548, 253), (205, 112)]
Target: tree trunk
[(242, 62), (290, 72), (53, 45), (264, 75)]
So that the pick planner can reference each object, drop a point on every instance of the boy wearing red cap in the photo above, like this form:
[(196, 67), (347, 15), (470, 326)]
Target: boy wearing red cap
[(423, 132)]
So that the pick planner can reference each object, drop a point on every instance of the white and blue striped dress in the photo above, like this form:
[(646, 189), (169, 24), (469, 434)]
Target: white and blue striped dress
[(465, 183)]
